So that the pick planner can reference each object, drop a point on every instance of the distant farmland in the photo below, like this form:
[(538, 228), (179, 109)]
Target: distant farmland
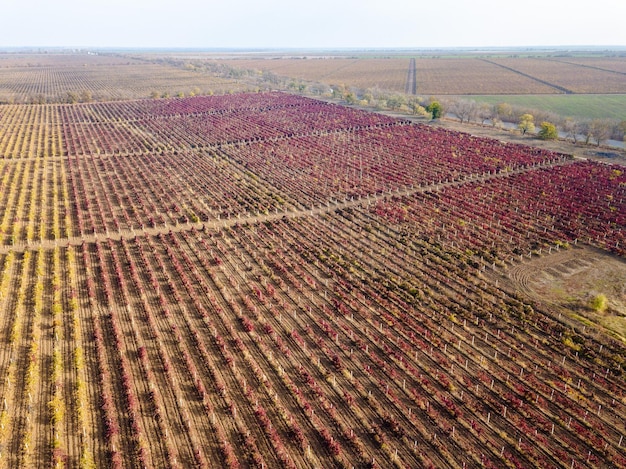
[(41, 78), (457, 75)]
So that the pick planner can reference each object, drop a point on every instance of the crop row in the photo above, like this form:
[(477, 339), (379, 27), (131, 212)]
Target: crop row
[(522, 214), (201, 122), (34, 199), (278, 340), (448, 370), (30, 131), (361, 335), (316, 169), (150, 125), (576, 77)]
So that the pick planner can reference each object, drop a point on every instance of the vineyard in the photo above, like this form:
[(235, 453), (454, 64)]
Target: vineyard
[(41, 78), (265, 280)]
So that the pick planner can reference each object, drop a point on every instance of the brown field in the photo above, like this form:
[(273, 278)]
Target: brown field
[(41, 78), (455, 76), (387, 74), (615, 64), (265, 280), (576, 77)]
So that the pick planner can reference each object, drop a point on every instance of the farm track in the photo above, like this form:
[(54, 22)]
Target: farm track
[(184, 326), (24, 330), (583, 376), (539, 80), (411, 79), (69, 339), (110, 360), (121, 320), (42, 435), (94, 430), (105, 233), (231, 330)]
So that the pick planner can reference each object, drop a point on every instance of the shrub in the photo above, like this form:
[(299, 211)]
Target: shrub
[(548, 131), (599, 303)]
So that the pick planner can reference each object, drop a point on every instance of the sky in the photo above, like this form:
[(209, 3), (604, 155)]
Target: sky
[(312, 24)]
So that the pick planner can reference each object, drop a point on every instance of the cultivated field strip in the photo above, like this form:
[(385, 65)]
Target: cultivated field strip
[(557, 88), (296, 293), (30, 131), (571, 76), (612, 64), (73, 78)]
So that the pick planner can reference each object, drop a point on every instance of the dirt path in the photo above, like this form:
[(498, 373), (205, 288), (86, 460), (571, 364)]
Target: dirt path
[(411, 79)]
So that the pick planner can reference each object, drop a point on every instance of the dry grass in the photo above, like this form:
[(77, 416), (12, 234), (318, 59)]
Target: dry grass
[(571, 279)]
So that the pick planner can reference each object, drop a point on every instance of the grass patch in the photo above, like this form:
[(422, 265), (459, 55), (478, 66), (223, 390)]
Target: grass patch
[(589, 106)]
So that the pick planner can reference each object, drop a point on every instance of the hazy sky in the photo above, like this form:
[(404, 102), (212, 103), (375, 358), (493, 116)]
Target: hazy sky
[(316, 23)]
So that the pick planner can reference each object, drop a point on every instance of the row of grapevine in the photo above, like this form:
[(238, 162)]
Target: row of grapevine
[(521, 214), (229, 306), (30, 131)]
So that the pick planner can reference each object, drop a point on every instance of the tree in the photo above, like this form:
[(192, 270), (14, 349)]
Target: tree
[(486, 113), (86, 96), (395, 102), (435, 109), (600, 130), (339, 91), (503, 111), (526, 123), (350, 97), (416, 108), (572, 129), (548, 131), (585, 129), (621, 127), (465, 110)]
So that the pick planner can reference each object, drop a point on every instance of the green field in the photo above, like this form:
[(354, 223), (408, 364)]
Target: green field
[(591, 106)]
